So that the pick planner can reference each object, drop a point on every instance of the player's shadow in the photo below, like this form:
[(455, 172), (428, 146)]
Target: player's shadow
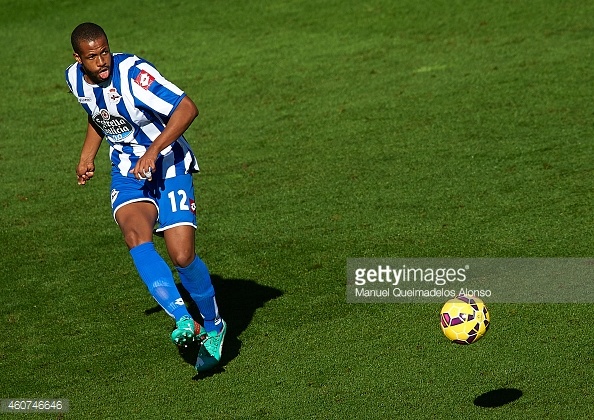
[(238, 300), (497, 397)]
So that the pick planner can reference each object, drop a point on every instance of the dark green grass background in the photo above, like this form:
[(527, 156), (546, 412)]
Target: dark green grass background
[(328, 130)]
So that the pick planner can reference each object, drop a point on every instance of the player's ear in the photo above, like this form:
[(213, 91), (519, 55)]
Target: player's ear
[(77, 57)]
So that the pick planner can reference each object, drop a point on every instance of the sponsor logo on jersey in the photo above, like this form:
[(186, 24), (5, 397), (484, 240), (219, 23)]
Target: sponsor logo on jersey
[(84, 100), (144, 79), (114, 127)]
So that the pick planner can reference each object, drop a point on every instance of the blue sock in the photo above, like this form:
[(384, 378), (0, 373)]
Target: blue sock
[(196, 280), (155, 273)]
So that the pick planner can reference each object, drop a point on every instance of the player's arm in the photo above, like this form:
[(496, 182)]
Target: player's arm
[(180, 120), (86, 165)]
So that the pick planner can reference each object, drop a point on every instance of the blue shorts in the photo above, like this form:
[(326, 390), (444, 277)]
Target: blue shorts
[(173, 198)]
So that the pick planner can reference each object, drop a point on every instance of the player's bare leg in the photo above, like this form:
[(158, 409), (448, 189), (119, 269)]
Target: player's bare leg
[(136, 221), (180, 242)]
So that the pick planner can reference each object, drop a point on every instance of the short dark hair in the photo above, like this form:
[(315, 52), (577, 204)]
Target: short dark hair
[(88, 32)]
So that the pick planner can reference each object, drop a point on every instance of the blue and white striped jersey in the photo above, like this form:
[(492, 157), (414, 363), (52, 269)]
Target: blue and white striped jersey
[(132, 108)]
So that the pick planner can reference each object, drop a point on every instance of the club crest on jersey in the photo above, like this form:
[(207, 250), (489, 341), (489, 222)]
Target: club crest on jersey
[(144, 79), (114, 96), (114, 127)]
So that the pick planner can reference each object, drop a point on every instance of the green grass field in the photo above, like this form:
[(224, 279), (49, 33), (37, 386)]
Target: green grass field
[(329, 130)]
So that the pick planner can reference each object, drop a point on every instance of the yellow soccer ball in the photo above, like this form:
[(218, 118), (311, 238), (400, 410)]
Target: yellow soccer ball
[(464, 319)]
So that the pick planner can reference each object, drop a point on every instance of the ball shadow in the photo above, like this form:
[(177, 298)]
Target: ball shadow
[(497, 397)]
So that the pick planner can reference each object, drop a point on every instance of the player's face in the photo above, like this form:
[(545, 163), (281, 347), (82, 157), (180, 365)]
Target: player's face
[(95, 59)]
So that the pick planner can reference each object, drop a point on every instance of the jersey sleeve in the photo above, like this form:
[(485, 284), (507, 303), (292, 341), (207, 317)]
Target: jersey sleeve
[(152, 92)]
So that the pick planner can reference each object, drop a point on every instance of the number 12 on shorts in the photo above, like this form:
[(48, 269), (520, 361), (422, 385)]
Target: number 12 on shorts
[(183, 200)]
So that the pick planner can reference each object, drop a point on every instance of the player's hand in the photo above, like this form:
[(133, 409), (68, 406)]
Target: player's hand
[(145, 166), (84, 172)]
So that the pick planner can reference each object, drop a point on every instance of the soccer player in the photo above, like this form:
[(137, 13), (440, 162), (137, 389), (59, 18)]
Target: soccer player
[(143, 117)]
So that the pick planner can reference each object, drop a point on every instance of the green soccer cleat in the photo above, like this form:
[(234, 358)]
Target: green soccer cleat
[(209, 354), (185, 332)]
